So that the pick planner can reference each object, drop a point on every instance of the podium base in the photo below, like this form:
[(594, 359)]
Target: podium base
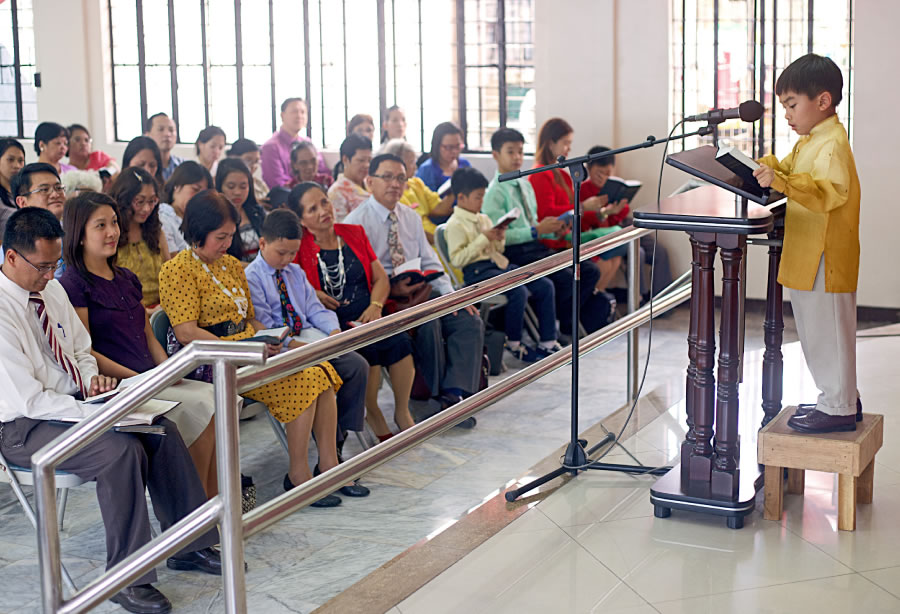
[(668, 494)]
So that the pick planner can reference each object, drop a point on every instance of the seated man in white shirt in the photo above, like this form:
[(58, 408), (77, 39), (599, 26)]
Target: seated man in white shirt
[(43, 372), (444, 348)]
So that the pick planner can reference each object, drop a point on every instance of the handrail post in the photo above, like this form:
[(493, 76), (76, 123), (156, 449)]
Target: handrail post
[(229, 472), (49, 555), (634, 289)]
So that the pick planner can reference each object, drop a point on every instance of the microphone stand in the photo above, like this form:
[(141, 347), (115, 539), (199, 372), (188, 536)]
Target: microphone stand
[(576, 457)]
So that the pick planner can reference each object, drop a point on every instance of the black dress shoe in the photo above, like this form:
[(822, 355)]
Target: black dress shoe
[(354, 490), (816, 421), (448, 400), (326, 501), (805, 408), (206, 560), (142, 599)]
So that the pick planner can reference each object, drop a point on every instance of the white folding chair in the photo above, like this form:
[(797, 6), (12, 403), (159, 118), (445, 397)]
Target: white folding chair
[(16, 477)]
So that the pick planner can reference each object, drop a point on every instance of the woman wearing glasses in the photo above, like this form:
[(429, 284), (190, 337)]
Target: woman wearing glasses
[(142, 243), (305, 165), (446, 145)]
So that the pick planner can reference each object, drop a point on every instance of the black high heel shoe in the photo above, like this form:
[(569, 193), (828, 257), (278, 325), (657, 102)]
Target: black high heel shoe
[(354, 490), (326, 501)]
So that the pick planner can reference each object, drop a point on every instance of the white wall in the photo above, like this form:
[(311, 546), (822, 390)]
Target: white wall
[(601, 64)]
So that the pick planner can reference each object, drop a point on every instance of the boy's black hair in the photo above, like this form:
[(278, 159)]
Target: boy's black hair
[(811, 75), (505, 135), (21, 181), (466, 180), (26, 226), (377, 160), (281, 224), (605, 160), (354, 143)]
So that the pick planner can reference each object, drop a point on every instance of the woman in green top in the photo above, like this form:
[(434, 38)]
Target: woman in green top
[(142, 244)]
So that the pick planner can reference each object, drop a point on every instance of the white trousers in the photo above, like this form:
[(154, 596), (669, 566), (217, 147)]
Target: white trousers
[(826, 325)]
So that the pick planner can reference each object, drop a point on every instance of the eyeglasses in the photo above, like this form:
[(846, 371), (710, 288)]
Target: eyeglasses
[(453, 147), (43, 269), (388, 178), (138, 203), (45, 189), (306, 162)]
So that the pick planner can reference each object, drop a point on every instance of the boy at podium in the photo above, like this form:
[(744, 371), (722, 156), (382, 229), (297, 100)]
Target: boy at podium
[(820, 261)]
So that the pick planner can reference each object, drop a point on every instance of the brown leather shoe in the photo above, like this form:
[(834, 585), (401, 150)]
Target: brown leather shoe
[(805, 408), (816, 421)]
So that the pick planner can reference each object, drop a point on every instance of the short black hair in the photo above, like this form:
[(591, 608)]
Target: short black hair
[(242, 146), (26, 226), (377, 160), (148, 126), (466, 180), (505, 135), (281, 224), (6, 143), (811, 75), (354, 143), (277, 196), (73, 127), (208, 134), (46, 132), (296, 195), (21, 181), (186, 173), (605, 160), (288, 101), (205, 212)]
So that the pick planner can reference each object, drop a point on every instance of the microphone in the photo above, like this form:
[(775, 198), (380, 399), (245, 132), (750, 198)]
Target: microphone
[(748, 111)]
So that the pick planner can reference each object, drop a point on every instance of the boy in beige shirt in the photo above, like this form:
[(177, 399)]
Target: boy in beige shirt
[(476, 247)]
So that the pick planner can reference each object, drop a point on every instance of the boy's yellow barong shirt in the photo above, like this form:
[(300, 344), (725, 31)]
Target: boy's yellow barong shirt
[(820, 181)]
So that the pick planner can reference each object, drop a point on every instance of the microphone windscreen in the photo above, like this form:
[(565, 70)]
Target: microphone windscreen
[(751, 110)]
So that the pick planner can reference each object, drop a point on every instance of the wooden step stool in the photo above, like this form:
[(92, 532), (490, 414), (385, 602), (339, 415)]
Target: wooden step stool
[(850, 454)]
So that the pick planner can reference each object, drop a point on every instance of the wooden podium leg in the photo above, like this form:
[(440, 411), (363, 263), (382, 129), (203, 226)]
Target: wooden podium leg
[(773, 332), (846, 502), (865, 486), (690, 439), (704, 381), (725, 474)]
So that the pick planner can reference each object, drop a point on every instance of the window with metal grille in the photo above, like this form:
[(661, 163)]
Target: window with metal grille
[(18, 101), (728, 51), (231, 62)]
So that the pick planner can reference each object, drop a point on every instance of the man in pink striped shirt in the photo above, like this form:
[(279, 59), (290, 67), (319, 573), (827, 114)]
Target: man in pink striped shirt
[(276, 152)]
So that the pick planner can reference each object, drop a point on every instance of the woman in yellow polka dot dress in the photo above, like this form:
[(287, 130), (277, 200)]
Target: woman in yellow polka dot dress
[(204, 292)]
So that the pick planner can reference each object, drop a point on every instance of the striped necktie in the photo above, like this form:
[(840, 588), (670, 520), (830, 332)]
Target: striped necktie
[(68, 364)]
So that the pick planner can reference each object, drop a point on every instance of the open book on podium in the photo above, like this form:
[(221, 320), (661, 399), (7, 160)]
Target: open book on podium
[(740, 206)]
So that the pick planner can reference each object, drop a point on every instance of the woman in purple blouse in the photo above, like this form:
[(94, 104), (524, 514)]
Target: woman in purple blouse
[(107, 298)]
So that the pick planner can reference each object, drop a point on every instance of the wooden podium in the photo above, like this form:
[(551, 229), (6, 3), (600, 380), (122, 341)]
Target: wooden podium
[(719, 218)]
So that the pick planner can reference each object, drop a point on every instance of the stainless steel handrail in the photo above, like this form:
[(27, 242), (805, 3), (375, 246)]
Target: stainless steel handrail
[(225, 508), (298, 359), (272, 511), (224, 355)]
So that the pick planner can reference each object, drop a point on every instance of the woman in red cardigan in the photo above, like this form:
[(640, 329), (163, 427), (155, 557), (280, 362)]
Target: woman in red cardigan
[(554, 192), (348, 278)]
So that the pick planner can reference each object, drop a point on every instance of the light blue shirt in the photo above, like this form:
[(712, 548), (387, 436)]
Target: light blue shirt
[(267, 302), (373, 216), (174, 161)]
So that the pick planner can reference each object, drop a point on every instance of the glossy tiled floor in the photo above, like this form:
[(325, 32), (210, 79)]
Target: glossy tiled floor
[(594, 545)]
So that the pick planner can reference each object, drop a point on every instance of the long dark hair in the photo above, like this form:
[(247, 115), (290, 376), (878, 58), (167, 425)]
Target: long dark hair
[(440, 131), (553, 129), (206, 135), (255, 213), (387, 115), (136, 146), (75, 217), (129, 184)]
